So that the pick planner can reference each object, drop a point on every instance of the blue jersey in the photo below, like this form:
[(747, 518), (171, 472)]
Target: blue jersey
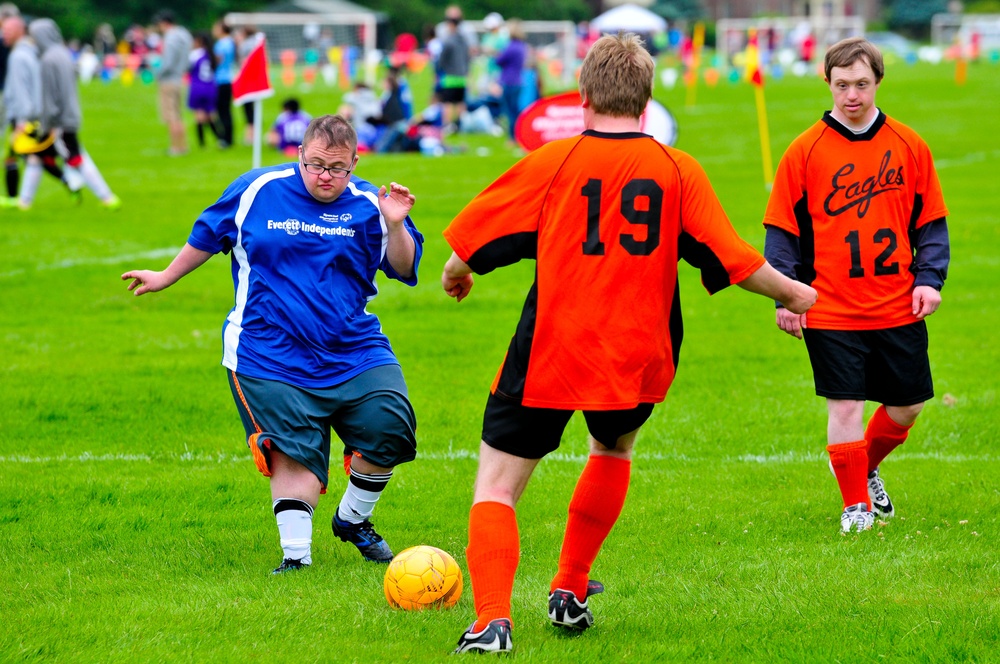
[(304, 272)]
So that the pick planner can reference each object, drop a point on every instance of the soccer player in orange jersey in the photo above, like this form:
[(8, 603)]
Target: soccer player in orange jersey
[(606, 215), (857, 212)]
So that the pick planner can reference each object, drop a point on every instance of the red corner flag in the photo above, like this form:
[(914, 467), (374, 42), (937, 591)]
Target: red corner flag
[(252, 83), (753, 70)]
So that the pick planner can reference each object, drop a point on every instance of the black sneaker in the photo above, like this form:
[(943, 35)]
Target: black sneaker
[(362, 535), (290, 565), (565, 610), (494, 638)]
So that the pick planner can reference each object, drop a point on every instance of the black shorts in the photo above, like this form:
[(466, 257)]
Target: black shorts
[(371, 413), (452, 95), (886, 366), (531, 433)]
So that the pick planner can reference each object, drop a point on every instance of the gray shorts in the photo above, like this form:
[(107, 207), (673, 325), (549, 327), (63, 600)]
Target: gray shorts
[(370, 413)]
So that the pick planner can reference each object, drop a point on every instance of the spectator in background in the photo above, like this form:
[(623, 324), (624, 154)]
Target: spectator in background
[(289, 128), (7, 10), (394, 119), (202, 93), (61, 109), (23, 103), (246, 39), (104, 41), (454, 67), (177, 43), (453, 14), (511, 62), (224, 51)]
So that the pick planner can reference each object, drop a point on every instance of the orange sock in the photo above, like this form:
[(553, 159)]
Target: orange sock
[(596, 504), (883, 435), (492, 556), (850, 465)]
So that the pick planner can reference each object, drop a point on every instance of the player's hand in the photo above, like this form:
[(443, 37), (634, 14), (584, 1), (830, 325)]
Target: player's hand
[(145, 281), (801, 298), (457, 288), (395, 202), (790, 322), (926, 300)]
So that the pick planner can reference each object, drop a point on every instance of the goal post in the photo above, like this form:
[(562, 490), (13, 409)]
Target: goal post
[(301, 32), (731, 34)]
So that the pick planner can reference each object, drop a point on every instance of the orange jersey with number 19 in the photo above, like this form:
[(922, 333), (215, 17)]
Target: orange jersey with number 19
[(855, 201), (606, 216)]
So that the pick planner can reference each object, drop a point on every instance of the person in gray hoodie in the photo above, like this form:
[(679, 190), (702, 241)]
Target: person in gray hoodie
[(60, 111), (177, 43), (22, 94)]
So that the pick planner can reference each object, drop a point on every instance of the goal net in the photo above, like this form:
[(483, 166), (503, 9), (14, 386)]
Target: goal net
[(784, 32), (312, 36)]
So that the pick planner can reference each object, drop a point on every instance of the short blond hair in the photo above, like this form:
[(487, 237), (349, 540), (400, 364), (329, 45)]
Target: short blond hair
[(848, 51), (617, 76)]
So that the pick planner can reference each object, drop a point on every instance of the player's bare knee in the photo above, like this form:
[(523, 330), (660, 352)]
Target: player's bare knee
[(904, 415)]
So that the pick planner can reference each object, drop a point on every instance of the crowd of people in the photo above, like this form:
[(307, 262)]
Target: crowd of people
[(42, 113)]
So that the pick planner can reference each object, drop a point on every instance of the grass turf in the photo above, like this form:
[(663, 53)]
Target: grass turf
[(134, 527)]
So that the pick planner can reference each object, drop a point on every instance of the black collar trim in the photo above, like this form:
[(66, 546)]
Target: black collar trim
[(615, 135), (850, 135)]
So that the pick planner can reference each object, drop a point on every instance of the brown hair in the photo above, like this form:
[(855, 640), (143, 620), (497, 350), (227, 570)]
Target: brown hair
[(331, 131), (617, 76), (848, 51)]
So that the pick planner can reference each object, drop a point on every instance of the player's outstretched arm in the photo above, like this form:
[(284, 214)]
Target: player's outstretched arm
[(457, 278), (395, 202), (149, 281), (795, 295)]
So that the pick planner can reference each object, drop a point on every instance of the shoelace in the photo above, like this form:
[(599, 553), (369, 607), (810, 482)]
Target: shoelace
[(878, 488), (366, 529)]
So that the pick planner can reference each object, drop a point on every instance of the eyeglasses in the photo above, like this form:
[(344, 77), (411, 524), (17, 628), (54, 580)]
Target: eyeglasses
[(335, 172)]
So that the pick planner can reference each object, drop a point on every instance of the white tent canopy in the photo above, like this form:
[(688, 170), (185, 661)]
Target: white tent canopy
[(630, 18)]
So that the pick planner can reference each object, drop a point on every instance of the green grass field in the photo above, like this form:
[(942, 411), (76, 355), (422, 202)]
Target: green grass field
[(134, 527)]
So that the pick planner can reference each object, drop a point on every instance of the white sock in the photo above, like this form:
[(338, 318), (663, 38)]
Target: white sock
[(32, 178), (94, 178), (294, 519), (74, 180), (361, 496)]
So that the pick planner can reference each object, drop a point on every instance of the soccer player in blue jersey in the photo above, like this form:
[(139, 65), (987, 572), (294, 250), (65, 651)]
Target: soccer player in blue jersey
[(303, 353)]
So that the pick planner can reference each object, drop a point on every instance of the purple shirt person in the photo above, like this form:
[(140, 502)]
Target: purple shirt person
[(289, 128)]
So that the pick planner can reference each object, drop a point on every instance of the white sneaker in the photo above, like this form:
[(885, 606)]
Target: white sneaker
[(856, 517), (881, 504)]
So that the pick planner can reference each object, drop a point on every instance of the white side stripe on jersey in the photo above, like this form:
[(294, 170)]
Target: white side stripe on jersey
[(231, 337), (373, 197)]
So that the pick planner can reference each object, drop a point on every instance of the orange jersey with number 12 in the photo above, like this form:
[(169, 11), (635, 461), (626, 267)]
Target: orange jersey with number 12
[(854, 201), (606, 216)]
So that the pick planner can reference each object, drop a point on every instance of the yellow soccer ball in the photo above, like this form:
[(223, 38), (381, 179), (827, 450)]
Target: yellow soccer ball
[(422, 577)]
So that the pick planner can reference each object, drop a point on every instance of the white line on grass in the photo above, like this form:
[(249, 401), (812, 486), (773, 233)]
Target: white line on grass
[(459, 455), (166, 252)]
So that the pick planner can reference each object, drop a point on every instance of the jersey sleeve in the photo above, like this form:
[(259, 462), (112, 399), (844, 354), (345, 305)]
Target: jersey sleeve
[(930, 204), (500, 225), (215, 229), (787, 191), (708, 240), (418, 252)]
